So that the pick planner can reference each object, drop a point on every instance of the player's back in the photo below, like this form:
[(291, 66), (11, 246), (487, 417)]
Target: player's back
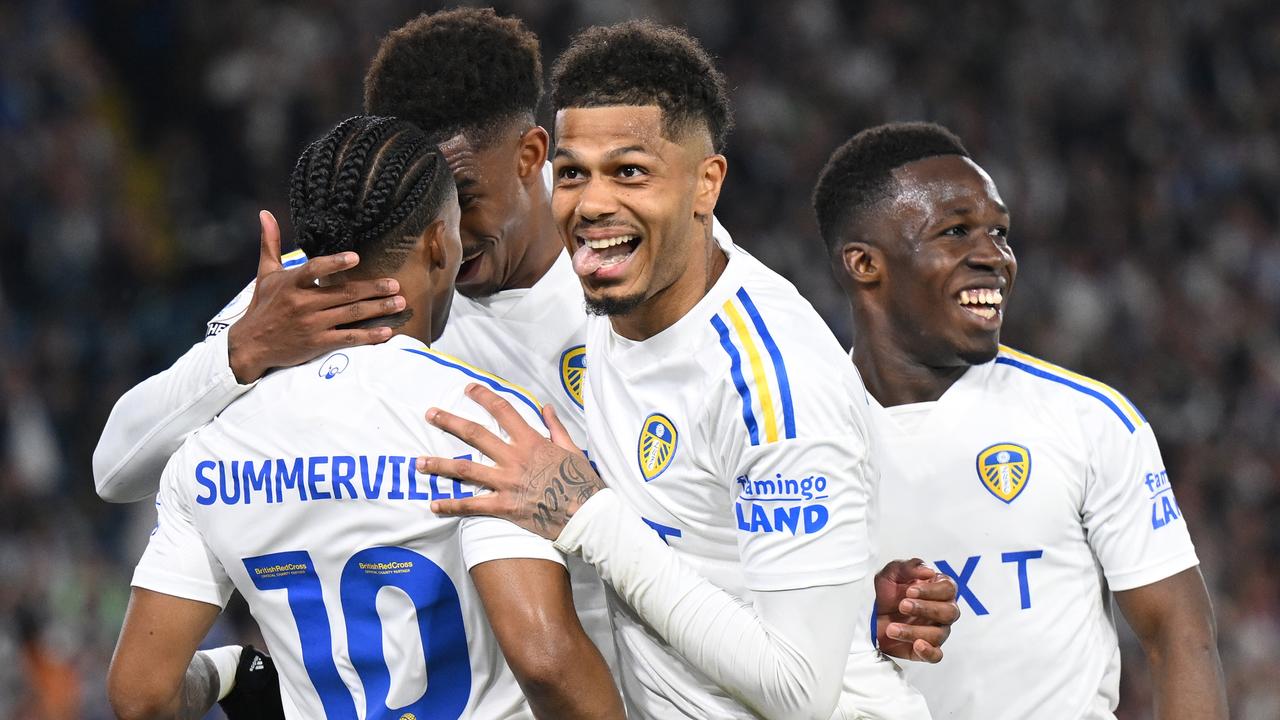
[(305, 493)]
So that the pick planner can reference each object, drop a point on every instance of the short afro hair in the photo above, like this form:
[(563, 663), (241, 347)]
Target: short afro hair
[(859, 173), (641, 63), (457, 71)]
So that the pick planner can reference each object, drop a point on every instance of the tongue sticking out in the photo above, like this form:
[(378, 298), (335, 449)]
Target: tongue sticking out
[(586, 260)]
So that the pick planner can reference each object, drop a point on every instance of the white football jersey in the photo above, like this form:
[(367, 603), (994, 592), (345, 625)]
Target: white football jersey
[(1039, 491), (303, 496), (535, 337), (735, 434)]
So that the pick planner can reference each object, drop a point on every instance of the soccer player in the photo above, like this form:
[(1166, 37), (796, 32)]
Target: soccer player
[(301, 496), (474, 79), (736, 528), (1048, 495)]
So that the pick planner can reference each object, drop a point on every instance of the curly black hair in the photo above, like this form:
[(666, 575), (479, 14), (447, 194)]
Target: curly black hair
[(858, 174), (641, 63), (371, 185), (457, 71)]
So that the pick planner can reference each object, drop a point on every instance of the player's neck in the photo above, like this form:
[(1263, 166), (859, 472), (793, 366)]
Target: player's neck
[(894, 377), (673, 302), (543, 248)]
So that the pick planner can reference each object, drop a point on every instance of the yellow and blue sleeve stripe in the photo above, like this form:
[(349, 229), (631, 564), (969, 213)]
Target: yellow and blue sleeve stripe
[(293, 259), (1107, 395), (762, 384), (493, 382)]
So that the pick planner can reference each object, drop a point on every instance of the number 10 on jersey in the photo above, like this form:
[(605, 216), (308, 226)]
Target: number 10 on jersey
[(440, 626)]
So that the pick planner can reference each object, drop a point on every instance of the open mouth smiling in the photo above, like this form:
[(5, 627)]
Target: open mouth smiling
[(985, 303), (603, 255)]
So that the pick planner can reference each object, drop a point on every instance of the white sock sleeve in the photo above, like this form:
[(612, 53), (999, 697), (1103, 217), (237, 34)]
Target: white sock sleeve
[(224, 659)]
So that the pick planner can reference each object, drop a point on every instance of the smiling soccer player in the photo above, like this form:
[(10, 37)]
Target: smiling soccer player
[(1047, 491), (736, 528)]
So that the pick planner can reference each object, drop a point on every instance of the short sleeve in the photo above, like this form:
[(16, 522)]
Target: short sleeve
[(800, 500), (486, 538), (1131, 518), (177, 561), (800, 508)]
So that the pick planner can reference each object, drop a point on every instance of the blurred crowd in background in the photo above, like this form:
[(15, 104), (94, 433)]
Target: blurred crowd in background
[(1136, 143)]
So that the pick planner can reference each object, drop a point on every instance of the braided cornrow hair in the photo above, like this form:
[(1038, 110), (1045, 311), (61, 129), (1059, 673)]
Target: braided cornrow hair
[(371, 185)]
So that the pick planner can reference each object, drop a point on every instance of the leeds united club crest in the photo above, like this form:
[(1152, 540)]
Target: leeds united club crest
[(1004, 469), (657, 445), (573, 369)]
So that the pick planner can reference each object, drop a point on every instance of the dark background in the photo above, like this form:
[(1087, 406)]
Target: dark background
[(1135, 142)]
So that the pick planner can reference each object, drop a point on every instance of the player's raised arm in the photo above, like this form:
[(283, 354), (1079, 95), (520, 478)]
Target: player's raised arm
[(287, 320)]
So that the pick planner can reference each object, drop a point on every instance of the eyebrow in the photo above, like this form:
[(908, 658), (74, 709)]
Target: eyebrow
[(628, 149), (570, 155), (466, 184), (968, 210)]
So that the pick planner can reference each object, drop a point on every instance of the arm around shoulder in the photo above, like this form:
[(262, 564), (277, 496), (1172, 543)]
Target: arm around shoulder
[(769, 653), (149, 423)]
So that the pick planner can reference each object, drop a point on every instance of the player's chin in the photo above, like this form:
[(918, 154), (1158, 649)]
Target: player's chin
[(480, 282), (613, 302), (477, 276), (978, 348)]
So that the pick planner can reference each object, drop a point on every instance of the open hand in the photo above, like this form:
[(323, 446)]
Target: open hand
[(292, 320), (536, 483)]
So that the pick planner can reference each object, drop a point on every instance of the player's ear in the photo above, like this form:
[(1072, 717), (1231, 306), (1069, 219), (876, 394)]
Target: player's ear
[(861, 263), (435, 249), (532, 154), (711, 172)]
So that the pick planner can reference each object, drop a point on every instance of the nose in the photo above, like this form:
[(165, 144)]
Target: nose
[(990, 253), (596, 200)]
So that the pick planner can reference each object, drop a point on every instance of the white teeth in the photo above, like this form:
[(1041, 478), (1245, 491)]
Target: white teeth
[(981, 296), (609, 242), (984, 312)]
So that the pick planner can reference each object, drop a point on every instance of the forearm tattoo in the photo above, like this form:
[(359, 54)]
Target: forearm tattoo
[(560, 490)]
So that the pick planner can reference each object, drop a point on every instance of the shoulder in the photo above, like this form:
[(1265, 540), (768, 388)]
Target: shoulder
[(1090, 400), (457, 374), (787, 371)]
